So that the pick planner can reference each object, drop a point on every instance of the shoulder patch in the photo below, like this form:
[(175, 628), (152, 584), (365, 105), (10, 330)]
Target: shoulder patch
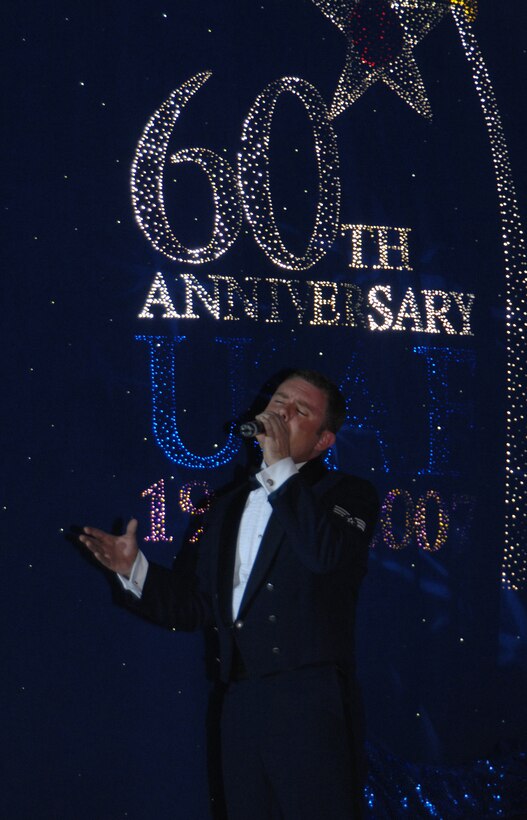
[(350, 519)]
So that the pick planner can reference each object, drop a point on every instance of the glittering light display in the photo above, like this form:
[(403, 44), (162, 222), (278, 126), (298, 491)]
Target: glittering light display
[(420, 519), (462, 516), (373, 417), (252, 185), (385, 248), (325, 298), (514, 571), (432, 556), (387, 526), (421, 528), (156, 494), (394, 64), (158, 295), (380, 36), (470, 8), (188, 506), (185, 497), (375, 32), (164, 401), (442, 406), (255, 182), (314, 302), (436, 315), (487, 789), (148, 189)]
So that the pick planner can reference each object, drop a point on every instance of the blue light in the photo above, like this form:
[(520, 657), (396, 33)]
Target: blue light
[(164, 401)]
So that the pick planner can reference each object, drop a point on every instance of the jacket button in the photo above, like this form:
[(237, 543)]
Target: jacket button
[(238, 624), (272, 618), (276, 650), (269, 586)]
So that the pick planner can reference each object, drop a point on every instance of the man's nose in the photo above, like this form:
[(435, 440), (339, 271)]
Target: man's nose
[(284, 411)]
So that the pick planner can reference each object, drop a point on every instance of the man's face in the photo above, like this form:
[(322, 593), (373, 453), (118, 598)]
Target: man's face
[(302, 406)]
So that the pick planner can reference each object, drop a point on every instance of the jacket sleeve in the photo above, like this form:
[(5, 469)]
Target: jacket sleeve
[(327, 530), (177, 598)]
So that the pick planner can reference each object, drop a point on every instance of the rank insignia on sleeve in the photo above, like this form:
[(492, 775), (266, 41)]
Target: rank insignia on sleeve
[(350, 519)]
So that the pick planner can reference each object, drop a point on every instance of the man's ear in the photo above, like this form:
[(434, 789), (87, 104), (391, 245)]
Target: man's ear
[(326, 439)]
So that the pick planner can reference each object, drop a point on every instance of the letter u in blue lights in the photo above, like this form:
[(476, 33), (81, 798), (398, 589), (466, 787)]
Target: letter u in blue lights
[(164, 395)]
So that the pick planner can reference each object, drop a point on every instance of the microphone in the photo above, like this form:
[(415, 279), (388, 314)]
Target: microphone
[(250, 429)]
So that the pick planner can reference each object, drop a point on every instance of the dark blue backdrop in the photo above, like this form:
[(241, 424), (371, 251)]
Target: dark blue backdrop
[(105, 714)]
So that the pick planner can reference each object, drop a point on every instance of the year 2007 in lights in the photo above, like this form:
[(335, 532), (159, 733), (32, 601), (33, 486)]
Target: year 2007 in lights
[(424, 522)]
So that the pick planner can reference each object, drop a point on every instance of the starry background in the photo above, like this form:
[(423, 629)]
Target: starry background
[(105, 714)]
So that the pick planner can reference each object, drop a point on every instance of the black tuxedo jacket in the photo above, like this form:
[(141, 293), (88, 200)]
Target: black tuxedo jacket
[(299, 604)]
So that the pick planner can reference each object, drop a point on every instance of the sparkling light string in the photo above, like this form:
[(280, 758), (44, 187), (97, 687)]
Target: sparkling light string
[(470, 8), (188, 506), (416, 517), (380, 235), (315, 302), (254, 174), (185, 497), (421, 529), (417, 18), (386, 519), (442, 405), (514, 568), (372, 418), (156, 493), (389, 32), (147, 183), (164, 401)]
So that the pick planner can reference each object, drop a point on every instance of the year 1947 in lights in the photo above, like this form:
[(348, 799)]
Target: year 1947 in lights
[(424, 522)]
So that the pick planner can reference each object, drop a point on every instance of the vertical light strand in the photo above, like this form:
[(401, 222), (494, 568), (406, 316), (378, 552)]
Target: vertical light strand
[(514, 568)]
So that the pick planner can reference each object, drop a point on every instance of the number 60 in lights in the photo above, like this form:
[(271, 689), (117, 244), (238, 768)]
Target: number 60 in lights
[(248, 190)]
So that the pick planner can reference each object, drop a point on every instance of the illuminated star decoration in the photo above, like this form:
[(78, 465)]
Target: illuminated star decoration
[(381, 37)]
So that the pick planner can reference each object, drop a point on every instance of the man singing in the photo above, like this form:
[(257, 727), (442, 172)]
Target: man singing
[(280, 564)]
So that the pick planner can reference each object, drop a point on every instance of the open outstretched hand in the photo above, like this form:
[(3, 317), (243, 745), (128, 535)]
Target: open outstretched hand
[(115, 552)]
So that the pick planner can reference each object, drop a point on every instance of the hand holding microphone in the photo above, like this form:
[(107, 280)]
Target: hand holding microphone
[(253, 428), (275, 442)]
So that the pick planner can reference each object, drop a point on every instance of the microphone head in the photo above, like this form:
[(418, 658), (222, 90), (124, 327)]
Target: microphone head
[(250, 429)]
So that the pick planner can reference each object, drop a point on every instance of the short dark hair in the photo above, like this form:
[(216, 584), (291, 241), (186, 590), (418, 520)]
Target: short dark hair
[(336, 403)]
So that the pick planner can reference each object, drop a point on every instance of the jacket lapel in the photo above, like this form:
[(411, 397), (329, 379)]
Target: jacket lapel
[(270, 542), (227, 551), (311, 472)]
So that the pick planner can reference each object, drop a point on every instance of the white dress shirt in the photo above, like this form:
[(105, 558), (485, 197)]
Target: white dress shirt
[(255, 516)]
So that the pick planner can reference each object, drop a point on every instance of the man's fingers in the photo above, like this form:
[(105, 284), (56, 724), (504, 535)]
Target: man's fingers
[(112, 551), (99, 543), (98, 550), (88, 542), (131, 527), (273, 423), (94, 548), (93, 532)]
